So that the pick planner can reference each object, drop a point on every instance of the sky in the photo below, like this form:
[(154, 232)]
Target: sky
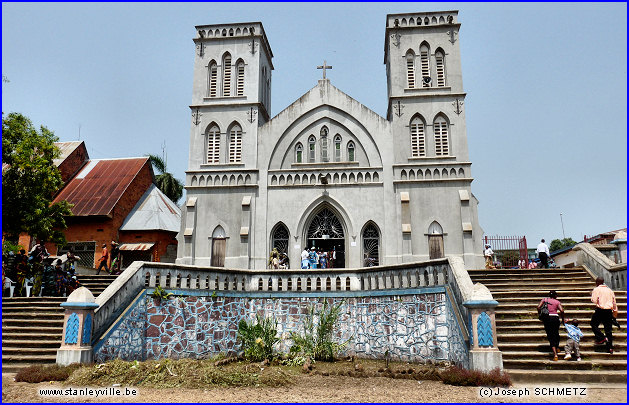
[(546, 85)]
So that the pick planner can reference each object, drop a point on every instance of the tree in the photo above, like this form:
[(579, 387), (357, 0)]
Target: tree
[(165, 181), (558, 244), (30, 180)]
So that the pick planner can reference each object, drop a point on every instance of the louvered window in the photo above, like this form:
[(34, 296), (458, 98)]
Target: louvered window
[(213, 145), (240, 82), (227, 75), (213, 68), (235, 144), (311, 149), (418, 139), (324, 144), (337, 148), (441, 137), (425, 64), (410, 69), (441, 69)]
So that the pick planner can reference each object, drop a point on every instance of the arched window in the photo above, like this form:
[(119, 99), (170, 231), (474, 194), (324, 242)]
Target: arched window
[(235, 144), (213, 78), (324, 144), (371, 246), (279, 238), (410, 69), (311, 149), (350, 151), (218, 247), (440, 62), (435, 241), (424, 55), (440, 127), (418, 138), (213, 144), (337, 148), (240, 78), (299, 149), (227, 75)]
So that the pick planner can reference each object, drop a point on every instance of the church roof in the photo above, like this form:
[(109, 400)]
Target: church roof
[(154, 211), (99, 185), (66, 148)]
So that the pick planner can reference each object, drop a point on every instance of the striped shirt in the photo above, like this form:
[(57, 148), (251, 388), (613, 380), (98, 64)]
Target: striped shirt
[(573, 332)]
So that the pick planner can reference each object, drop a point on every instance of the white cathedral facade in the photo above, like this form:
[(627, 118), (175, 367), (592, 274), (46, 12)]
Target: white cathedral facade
[(327, 172)]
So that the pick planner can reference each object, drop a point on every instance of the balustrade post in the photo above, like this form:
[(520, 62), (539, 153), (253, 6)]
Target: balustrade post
[(484, 352), (76, 345)]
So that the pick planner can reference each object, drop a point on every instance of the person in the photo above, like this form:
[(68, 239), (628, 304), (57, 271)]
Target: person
[(606, 309), (284, 262), (323, 260), (72, 285), (304, 259), (60, 279), (543, 253), (489, 257), (551, 322), (115, 259), (532, 264), (333, 257), (71, 261), (103, 260), (274, 259), (313, 258), (572, 342)]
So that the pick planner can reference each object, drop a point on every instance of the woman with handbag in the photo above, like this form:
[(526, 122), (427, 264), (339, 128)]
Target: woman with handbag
[(549, 310)]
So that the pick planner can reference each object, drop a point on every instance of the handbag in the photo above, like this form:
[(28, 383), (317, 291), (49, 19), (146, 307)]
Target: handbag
[(543, 311)]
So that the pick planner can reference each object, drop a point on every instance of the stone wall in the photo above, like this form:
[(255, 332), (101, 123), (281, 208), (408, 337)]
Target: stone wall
[(412, 324)]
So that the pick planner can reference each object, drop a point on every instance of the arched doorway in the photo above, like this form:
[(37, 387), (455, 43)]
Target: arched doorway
[(435, 241), (326, 233), (218, 247), (371, 245)]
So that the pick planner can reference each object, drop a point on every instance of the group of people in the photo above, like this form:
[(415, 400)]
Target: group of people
[(114, 267), (46, 277), (543, 254), (605, 312), (278, 260), (317, 259)]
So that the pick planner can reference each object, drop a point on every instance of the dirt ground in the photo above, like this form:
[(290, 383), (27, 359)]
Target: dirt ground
[(314, 388)]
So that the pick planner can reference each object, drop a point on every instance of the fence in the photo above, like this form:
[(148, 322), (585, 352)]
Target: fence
[(509, 251)]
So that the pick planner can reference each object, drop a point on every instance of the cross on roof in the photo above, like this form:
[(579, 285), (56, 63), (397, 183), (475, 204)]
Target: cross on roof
[(324, 67)]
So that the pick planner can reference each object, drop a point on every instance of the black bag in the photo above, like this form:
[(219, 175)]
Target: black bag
[(543, 311)]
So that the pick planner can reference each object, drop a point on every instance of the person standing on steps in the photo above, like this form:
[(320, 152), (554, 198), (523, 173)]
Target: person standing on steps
[(551, 321), (606, 309), (489, 258), (543, 253), (103, 260)]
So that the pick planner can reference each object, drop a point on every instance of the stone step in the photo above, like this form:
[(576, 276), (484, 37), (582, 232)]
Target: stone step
[(20, 334), (525, 376), (24, 329), (536, 292), (585, 355), (528, 279), (13, 310), (33, 299), (35, 344), (28, 359), (542, 346), (13, 351), (517, 271), (538, 327), (567, 306), (539, 285), (524, 313), (566, 365), (514, 323), (35, 315), (13, 304), (32, 322)]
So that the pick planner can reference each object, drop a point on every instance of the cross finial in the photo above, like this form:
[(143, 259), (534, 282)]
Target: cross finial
[(324, 67)]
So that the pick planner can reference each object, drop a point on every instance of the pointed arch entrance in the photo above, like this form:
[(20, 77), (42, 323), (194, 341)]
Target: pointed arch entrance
[(325, 231)]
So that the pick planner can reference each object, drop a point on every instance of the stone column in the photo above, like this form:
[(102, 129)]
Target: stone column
[(76, 344), (484, 353)]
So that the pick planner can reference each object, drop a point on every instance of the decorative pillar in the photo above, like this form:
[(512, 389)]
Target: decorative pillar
[(484, 352), (76, 344)]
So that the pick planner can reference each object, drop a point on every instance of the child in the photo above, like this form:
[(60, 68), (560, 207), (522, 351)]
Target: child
[(572, 343)]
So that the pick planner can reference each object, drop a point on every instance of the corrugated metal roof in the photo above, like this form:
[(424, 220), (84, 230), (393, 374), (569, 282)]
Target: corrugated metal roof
[(136, 246), (100, 184), (153, 211), (66, 149)]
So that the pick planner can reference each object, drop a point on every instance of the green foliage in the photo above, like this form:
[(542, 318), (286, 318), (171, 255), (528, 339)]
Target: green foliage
[(317, 341), (160, 293), (460, 376), (39, 373), (166, 182), (30, 181), (558, 244), (8, 246), (258, 338)]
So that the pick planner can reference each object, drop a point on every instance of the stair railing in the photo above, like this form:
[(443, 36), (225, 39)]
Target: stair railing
[(615, 275)]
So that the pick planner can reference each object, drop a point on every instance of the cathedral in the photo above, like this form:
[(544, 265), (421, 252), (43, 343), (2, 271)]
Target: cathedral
[(327, 172)]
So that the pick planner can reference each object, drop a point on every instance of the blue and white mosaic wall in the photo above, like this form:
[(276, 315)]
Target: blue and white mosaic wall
[(413, 325)]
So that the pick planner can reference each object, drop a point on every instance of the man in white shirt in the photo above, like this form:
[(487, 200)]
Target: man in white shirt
[(489, 257), (543, 253)]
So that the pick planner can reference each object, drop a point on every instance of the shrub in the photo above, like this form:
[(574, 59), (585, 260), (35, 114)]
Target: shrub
[(160, 293), (39, 373), (258, 338), (459, 376), (317, 341)]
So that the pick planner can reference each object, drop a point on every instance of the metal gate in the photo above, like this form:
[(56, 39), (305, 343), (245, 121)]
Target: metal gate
[(85, 251), (509, 251)]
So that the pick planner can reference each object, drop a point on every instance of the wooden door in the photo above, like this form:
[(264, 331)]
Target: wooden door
[(218, 252), (435, 246)]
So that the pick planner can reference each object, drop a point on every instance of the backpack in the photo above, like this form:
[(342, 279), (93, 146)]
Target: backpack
[(543, 311)]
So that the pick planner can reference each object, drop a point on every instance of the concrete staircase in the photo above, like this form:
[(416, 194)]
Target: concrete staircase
[(32, 327), (521, 337)]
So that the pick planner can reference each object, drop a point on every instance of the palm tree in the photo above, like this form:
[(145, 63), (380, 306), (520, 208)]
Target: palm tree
[(165, 181)]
